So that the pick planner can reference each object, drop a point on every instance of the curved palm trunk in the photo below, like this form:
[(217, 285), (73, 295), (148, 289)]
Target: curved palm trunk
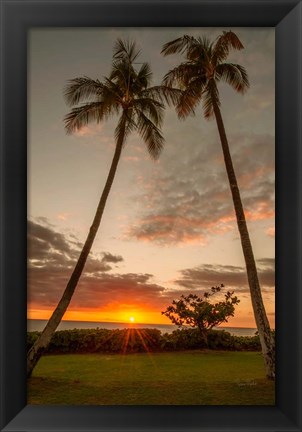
[(266, 337), (42, 342)]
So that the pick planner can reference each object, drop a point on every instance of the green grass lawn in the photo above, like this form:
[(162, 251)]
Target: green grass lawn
[(178, 378)]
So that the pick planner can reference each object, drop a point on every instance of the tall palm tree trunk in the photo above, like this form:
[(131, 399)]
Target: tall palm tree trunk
[(42, 342), (266, 337)]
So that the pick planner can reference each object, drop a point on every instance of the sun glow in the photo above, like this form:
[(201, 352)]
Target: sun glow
[(132, 319)]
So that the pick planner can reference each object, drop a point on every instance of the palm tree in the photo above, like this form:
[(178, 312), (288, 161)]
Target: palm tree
[(127, 93), (204, 67)]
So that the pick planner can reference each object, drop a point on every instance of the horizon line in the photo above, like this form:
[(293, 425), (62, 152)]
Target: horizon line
[(133, 323)]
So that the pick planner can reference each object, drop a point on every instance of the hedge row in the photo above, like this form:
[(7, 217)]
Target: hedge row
[(141, 340)]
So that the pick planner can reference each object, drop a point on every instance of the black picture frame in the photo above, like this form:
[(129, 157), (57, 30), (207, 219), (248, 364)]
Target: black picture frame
[(17, 16)]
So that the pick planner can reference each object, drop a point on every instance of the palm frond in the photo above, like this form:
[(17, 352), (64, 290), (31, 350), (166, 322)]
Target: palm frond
[(200, 50), (222, 47), (179, 45), (189, 100), (120, 73), (125, 50), (144, 76), (124, 127), (161, 94), (152, 108), (85, 114), (151, 134), (233, 74), (180, 75), (114, 89), (209, 97), (83, 88)]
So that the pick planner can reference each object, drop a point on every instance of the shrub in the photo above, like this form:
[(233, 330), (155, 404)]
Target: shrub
[(221, 340), (142, 340), (31, 339), (100, 340), (251, 343), (182, 340), (192, 339)]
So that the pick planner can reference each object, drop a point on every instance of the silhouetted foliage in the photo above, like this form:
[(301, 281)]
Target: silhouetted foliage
[(84, 341), (199, 312)]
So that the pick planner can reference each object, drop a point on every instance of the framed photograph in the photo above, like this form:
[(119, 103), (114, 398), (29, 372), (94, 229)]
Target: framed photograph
[(149, 278)]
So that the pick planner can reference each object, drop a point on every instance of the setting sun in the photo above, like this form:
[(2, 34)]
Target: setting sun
[(131, 319)]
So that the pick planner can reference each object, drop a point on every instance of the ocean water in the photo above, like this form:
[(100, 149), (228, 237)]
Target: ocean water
[(38, 325)]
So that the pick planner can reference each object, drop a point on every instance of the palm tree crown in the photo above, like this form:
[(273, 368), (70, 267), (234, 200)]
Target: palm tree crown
[(204, 67), (125, 92)]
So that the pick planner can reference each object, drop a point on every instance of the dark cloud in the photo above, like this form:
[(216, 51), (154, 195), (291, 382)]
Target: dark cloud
[(208, 275), (126, 288), (44, 221), (52, 256), (93, 291), (49, 249), (109, 258), (266, 264)]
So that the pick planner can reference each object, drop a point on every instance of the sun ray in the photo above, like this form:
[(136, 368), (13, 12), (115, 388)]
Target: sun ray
[(149, 353)]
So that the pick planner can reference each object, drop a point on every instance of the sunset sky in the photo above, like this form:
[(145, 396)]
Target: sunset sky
[(169, 226)]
